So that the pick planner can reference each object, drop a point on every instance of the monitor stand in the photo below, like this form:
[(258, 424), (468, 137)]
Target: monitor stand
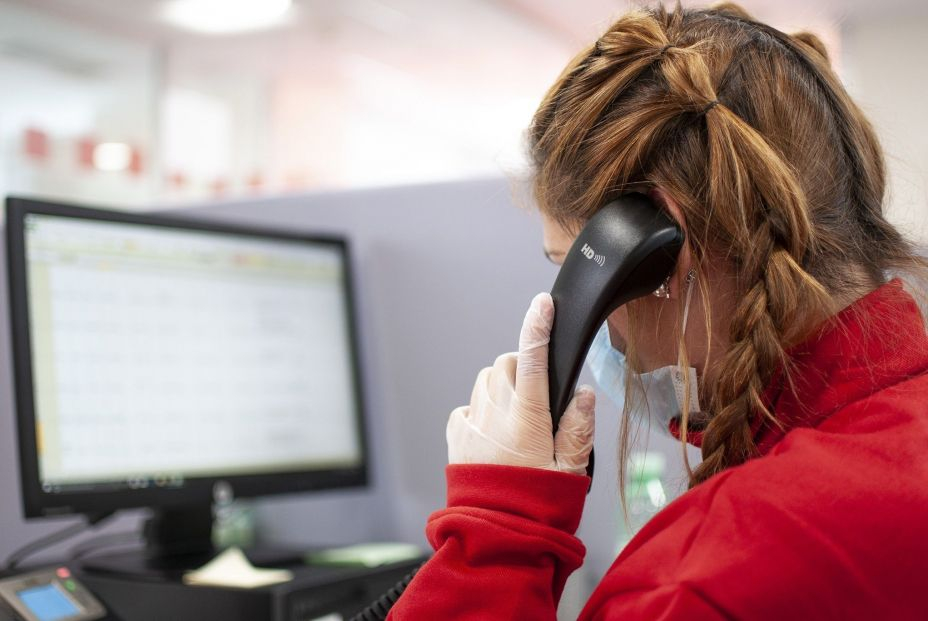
[(177, 540)]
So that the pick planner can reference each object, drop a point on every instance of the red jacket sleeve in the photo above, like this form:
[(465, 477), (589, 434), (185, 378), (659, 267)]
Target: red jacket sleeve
[(504, 546)]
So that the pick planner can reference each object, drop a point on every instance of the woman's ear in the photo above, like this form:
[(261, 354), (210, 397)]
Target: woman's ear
[(685, 259)]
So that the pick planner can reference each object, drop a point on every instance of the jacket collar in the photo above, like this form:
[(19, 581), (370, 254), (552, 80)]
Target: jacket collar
[(876, 342)]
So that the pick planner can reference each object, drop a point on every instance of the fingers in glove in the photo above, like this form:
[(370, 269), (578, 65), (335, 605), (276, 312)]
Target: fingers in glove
[(532, 370), (574, 438), (481, 385), (457, 429), (502, 380)]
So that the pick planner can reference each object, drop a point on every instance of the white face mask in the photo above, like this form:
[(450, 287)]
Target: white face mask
[(665, 387)]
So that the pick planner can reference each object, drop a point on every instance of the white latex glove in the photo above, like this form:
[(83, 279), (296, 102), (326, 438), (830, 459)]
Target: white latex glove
[(508, 421)]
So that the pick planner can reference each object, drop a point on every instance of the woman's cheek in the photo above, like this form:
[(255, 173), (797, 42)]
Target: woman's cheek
[(655, 344)]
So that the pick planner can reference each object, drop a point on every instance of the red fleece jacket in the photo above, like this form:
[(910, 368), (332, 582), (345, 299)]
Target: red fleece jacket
[(829, 522)]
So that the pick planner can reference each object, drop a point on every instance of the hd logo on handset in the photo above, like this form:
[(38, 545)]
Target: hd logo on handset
[(589, 253)]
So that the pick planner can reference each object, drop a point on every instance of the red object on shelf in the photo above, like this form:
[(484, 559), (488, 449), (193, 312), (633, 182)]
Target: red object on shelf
[(219, 186), (256, 182), (135, 162), (35, 144), (177, 179), (298, 181), (85, 147), (63, 572)]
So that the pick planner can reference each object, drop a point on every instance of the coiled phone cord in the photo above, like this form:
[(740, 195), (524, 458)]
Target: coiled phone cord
[(380, 608)]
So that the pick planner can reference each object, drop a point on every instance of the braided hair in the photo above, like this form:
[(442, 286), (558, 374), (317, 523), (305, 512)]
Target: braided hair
[(774, 168)]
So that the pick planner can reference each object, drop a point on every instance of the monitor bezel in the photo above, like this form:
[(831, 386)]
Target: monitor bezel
[(36, 502)]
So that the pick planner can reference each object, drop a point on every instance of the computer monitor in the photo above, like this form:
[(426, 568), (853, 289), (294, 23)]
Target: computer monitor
[(157, 357)]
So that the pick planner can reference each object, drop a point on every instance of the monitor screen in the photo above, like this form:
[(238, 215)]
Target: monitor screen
[(162, 353)]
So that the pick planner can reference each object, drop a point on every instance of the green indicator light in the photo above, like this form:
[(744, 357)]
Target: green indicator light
[(70, 585)]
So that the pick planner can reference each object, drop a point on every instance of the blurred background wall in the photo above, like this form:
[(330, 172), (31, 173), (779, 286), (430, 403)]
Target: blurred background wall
[(143, 102)]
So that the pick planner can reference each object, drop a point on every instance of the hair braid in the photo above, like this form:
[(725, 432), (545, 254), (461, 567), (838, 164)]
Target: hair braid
[(865, 171), (770, 234), (636, 40), (583, 96)]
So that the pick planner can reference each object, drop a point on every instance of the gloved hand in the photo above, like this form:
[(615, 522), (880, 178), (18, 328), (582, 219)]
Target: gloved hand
[(508, 421)]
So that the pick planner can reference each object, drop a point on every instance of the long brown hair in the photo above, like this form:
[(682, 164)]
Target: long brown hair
[(774, 167)]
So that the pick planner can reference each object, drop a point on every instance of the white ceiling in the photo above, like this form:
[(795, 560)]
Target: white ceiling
[(571, 21), (427, 39)]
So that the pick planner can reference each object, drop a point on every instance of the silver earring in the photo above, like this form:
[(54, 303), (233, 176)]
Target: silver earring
[(664, 290)]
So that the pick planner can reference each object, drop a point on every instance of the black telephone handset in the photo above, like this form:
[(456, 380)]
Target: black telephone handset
[(625, 251)]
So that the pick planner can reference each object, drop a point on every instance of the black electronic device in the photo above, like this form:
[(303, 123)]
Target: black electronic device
[(162, 361), (315, 592), (48, 595), (625, 251)]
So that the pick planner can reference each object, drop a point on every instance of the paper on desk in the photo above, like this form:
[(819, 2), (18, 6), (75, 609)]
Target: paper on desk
[(232, 569)]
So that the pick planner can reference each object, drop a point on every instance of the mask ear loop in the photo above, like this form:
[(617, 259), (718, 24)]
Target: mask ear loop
[(679, 371), (690, 277)]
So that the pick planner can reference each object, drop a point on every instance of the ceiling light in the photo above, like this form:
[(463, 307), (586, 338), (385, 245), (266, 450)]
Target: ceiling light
[(225, 16), (112, 156)]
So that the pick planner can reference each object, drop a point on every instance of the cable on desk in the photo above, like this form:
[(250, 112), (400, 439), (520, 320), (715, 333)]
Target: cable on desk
[(380, 608), (100, 542), (31, 548)]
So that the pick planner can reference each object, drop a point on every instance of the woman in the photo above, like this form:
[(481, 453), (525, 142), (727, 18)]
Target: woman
[(811, 360)]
